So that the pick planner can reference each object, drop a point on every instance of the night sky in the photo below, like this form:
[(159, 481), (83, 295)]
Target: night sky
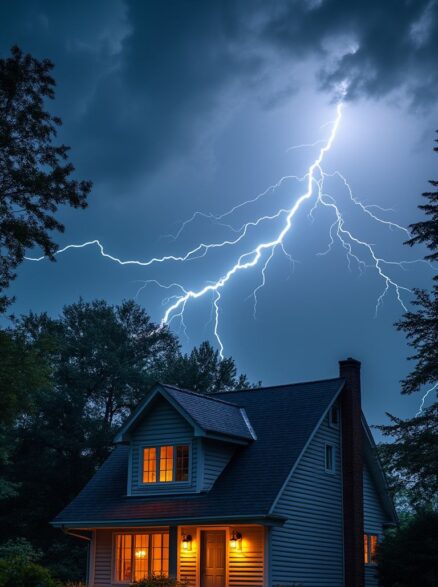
[(174, 107)]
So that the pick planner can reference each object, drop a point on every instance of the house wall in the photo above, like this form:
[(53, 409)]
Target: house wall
[(163, 425), (245, 565), (308, 549), (374, 518), (216, 457)]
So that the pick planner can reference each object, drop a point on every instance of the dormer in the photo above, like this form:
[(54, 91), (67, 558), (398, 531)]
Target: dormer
[(181, 441)]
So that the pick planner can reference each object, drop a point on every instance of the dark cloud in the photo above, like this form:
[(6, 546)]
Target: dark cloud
[(376, 46), (139, 81)]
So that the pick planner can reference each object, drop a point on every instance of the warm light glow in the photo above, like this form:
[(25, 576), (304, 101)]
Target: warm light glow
[(166, 464), (187, 542), (235, 540), (140, 554)]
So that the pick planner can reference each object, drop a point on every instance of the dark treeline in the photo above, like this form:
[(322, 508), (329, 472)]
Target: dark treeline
[(66, 384)]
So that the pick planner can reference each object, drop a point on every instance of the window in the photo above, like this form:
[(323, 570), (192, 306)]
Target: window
[(370, 542), (149, 465), (166, 464), (334, 416), (329, 458), (140, 555), (182, 463)]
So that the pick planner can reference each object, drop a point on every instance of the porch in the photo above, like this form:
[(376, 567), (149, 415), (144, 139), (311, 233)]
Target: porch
[(204, 556)]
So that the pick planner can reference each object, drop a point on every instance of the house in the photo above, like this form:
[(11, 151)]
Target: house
[(276, 486)]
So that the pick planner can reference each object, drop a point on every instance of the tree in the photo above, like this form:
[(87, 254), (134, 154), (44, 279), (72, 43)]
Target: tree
[(408, 556), (205, 372), (35, 174), (101, 362), (411, 459)]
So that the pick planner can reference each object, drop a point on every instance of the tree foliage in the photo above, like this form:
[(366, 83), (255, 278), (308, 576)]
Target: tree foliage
[(99, 362), (408, 555), (35, 173)]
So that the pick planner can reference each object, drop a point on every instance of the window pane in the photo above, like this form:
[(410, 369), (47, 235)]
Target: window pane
[(141, 556), (124, 557), (149, 465), (329, 463), (166, 463), (160, 554), (373, 547), (366, 554), (182, 463)]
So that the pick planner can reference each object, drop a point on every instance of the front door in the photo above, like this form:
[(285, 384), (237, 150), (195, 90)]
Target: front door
[(213, 558)]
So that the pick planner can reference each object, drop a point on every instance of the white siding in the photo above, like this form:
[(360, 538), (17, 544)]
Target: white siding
[(374, 518), (308, 549)]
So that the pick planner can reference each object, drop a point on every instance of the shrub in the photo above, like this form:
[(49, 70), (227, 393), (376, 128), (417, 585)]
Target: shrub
[(16, 573), (408, 556), (160, 581)]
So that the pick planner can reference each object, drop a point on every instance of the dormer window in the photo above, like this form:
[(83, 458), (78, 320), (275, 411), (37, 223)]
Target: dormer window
[(166, 463)]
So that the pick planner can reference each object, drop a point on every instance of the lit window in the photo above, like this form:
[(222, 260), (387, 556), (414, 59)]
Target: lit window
[(329, 458), (370, 542), (141, 555), (166, 463), (182, 463), (149, 465)]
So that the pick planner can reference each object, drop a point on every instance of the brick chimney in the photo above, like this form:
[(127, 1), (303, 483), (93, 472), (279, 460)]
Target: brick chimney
[(352, 465)]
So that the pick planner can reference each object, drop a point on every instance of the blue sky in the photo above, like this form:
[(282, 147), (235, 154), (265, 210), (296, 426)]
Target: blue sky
[(173, 107)]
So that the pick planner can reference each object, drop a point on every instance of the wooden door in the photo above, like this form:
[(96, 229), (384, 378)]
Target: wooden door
[(213, 558)]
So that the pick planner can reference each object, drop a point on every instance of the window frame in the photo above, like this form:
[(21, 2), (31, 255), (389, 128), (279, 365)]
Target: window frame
[(332, 424), (157, 447), (327, 445), (368, 536), (133, 533)]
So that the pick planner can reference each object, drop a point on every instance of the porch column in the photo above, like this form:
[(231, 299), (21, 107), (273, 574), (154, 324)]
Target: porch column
[(173, 551)]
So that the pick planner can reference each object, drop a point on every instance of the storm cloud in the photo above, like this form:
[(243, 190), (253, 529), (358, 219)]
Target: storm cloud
[(139, 82)]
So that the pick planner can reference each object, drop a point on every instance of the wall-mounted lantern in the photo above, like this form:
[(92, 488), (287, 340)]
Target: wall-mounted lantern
[(187, 542), (236, 540)]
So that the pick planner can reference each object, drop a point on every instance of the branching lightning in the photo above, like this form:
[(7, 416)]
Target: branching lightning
[(358, 251)]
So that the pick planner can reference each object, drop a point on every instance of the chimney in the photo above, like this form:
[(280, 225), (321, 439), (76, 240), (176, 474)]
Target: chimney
[(352, 470)]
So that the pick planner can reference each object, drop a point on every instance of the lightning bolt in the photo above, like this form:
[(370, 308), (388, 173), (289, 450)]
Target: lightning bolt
[(424, 398), (357, 250)]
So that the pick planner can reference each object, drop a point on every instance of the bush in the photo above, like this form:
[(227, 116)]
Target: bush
[(160, 581), (16, 573), (408, 556)]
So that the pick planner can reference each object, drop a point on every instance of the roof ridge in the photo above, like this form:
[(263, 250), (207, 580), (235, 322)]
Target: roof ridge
[(267, 387), (202, 395)]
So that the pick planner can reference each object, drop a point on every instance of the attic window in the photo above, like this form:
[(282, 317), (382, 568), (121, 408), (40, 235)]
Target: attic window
[(334, 416), (166, 464)]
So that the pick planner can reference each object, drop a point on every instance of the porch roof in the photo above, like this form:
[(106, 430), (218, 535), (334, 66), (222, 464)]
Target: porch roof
[(283, 418)]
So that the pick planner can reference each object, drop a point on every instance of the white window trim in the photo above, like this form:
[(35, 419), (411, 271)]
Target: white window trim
[(331, 471), (330, 421)]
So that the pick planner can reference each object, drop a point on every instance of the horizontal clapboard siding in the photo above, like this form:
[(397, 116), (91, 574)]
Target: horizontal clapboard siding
[(245, 566), (308, 549), (162, 425), (188, 559), (216, 457), (102, 558), (374, 518)]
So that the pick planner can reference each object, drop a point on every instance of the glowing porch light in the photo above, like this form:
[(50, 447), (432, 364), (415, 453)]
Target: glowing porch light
[(235, 540)]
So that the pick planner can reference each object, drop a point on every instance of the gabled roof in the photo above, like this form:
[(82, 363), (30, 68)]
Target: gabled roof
[(209, 415), (283, 418)]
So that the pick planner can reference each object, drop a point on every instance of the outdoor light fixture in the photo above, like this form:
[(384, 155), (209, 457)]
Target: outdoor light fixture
[(187, 541), (235, 540)]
